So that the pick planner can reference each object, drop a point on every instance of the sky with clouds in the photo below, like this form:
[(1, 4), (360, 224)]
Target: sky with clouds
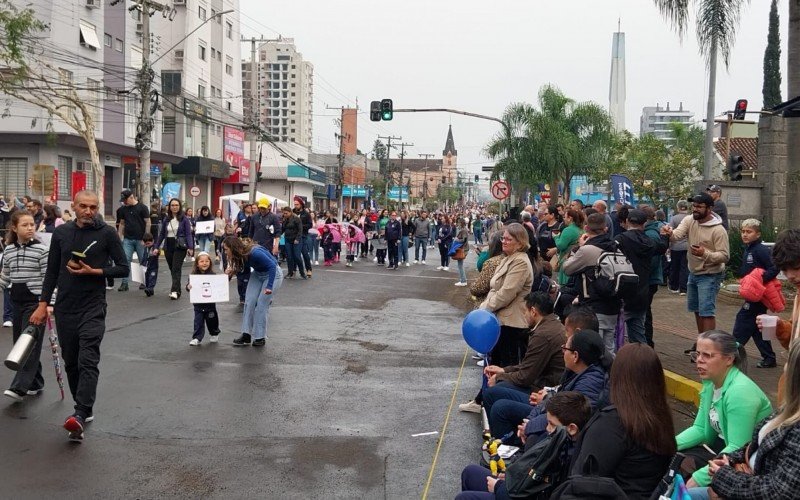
[(481, 56)]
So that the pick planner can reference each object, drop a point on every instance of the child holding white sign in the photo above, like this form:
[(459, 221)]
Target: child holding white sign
[(206, 313)]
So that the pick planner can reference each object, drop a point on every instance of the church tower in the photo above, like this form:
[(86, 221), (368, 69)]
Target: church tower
[(450, 158)]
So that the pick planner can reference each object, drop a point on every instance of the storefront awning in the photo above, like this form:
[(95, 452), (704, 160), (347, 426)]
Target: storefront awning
[(204, 167)]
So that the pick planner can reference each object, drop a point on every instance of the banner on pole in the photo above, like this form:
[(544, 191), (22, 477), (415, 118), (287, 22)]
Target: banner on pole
[(622, 187)]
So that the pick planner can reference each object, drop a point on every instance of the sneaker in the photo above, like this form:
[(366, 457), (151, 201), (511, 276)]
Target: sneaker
[(422, 262), (123, 288), (242, 340), (766, 364), (13, 394), (308, 273), (194, 342), (439, 268), (35, 392), (7, 324), (481, 363), (416, 262), (682, 294), (355, 259), (74, 425), (471, 407), (173, 295), (141, 287), (316, 262), (408, 264), (108, 287), (445, 268), (259, 342), (213, 339), (375, 259), (477, 356), (460, 283)]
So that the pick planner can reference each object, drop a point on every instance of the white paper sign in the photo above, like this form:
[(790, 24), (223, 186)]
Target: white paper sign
[(208, 288), (138, 272), (44, 238), (204, 227)]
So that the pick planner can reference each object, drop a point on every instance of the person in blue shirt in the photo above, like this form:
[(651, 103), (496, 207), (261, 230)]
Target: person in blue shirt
[(266, 278), (756, 255)]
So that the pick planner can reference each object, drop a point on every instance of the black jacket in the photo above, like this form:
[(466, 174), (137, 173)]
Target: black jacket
[(305, 220), (640, 249), (74, 291), (408, 227), (756, 254), (292, 229), (605, 448), (394, 230), (260, 229)]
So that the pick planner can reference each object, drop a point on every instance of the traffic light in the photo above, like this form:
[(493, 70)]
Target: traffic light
[(387, 109), (477, 178), (375, 111), (740, 110), (735, 165)]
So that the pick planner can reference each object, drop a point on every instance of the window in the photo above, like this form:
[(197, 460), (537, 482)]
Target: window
[(119, 45), (292, 94), (283, 58), (171, 82), (108, 40), (213, 91), (169, 124), (229, 65), (228, 106), (229, 30), (213, 53), (201, 50), (64, 178), (201, 12), (15, 175), (201, 90), (294, 67), (88, 36), (95, 98)]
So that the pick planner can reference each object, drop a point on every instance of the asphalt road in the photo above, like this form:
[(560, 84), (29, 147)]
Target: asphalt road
[(357, 361)]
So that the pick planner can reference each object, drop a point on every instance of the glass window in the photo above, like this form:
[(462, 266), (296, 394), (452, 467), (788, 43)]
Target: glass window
[(64, 178), (201, 12), (201, 50), (201, 91), (108, 40), (229, 30), (119, 45)]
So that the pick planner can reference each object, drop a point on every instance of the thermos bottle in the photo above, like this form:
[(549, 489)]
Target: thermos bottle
[(22, 348)]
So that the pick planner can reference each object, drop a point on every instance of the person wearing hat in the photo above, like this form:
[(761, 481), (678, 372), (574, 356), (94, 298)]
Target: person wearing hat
[(720, 208), (640, 249), (305, 239), (265, 227), (709, 251), (133, 221)]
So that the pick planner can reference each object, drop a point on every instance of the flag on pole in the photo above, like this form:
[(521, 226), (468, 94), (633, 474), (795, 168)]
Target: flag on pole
[(622, 188)]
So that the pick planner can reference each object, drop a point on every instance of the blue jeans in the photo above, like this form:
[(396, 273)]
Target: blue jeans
[(403, 257), (314, 247), (634, 324), (130, 246), (294, 257), (420, 243), (478, 237), (698, 493), (305, 251), (701, 293), (462, 274), (7, 310), (501, 392), (204, 242), (256, 304)]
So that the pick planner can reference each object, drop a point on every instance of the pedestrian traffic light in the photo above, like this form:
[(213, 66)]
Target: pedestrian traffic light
[(387, 109), (375, 111), (740, 110), (735, 165)]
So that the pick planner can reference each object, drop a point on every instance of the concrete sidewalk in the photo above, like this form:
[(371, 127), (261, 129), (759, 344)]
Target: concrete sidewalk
[(675, 331)]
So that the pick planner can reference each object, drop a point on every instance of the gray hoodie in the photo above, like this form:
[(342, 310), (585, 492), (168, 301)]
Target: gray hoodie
[(422, 227)]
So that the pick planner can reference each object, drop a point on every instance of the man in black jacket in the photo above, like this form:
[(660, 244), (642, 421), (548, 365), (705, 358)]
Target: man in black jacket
[(639, 249), (394, 232), (582, 263), (265, 227), (305, 240), (80, 308), (293, 240)]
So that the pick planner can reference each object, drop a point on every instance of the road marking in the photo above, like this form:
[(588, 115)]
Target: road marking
[(396, 275), (433, 433), (444, 427)]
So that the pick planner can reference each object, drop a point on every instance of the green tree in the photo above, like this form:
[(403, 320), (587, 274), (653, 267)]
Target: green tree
[(716, 24), (552, 143), (771, 90), (28, 74)]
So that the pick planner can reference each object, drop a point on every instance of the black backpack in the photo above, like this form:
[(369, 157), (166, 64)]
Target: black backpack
[(540, 468), (589, 486)]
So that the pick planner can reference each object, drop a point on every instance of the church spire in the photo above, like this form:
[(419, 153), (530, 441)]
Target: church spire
[(450, 145)]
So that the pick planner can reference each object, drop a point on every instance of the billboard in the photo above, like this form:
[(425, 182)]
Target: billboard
[(233, 151)]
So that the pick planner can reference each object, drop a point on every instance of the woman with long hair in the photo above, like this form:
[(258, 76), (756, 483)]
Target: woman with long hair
[(567, 238), (768, 467), (444, 238), (265, 279), (204, 239), (175, 235), (51, 219), (219, 233), (731, 404), (631, 440), (494, 255)]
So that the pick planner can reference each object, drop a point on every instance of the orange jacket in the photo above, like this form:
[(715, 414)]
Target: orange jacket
[(752, 289)]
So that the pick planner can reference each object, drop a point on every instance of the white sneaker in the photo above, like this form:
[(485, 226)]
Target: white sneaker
[(13, 395), (173, 295), (439, 268), (316, 262), (471, 407), (460, 283), (354, 259), (422, 262), (416, 262), (445, 268), (7, 324), (213, 339), (375, 259), (109, 287), (194, 342), (34, 392), (481, 363), (408, 264)]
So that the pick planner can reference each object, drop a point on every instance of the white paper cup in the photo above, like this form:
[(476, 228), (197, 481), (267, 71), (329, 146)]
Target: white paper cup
[(769, 324)]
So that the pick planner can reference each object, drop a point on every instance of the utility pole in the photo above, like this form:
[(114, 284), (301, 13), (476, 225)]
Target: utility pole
[(341, 138), (386, 172), (400, 183), (255, 124), (425, 179)]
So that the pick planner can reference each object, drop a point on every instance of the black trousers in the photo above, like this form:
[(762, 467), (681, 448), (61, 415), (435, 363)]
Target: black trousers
[(392, 249), (444, 250), (678, 270), (29, 376), (174, 262), (648, 318), (511, 346), (80, 332), (151, 273), (205, 315)]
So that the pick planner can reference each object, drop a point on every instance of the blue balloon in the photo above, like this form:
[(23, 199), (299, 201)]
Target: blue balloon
[(481, 330)]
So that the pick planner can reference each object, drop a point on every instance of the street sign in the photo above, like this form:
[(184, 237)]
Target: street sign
[(501, 190), (487, 168), (194, 191)]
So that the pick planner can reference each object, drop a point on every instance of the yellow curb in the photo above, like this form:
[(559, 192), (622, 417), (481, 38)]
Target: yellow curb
[(682, 388)]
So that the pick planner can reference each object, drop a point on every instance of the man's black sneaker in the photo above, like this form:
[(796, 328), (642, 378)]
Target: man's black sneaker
[(74, 425), (141, 286), (14, 394), (766, 364), (123, 288), (148, 292), (243, 339), (259, 342)]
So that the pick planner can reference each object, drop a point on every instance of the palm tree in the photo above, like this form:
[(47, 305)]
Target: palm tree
[(553, 143), (717, 21)]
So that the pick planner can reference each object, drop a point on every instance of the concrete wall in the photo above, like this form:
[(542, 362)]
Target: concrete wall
[(772, 168)]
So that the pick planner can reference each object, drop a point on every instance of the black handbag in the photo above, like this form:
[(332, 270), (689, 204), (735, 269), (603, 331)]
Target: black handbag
[(181, 243)]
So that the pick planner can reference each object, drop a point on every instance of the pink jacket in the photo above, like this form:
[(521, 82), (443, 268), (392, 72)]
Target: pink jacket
[(752, 289)]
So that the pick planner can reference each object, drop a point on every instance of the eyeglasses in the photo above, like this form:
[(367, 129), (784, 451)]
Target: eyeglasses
[(705, 356), (565, 348)]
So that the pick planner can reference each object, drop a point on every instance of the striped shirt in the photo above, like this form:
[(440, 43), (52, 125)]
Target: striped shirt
[(25, 264)]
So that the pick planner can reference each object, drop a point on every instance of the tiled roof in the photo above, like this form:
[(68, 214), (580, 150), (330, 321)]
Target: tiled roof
[(745, 146)]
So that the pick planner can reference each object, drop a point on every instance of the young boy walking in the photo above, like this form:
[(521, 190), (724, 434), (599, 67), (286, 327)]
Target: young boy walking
[(151, 269)]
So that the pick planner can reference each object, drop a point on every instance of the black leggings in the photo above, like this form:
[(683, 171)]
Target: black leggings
[(511, 346), (174, 262), (444, 250)]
